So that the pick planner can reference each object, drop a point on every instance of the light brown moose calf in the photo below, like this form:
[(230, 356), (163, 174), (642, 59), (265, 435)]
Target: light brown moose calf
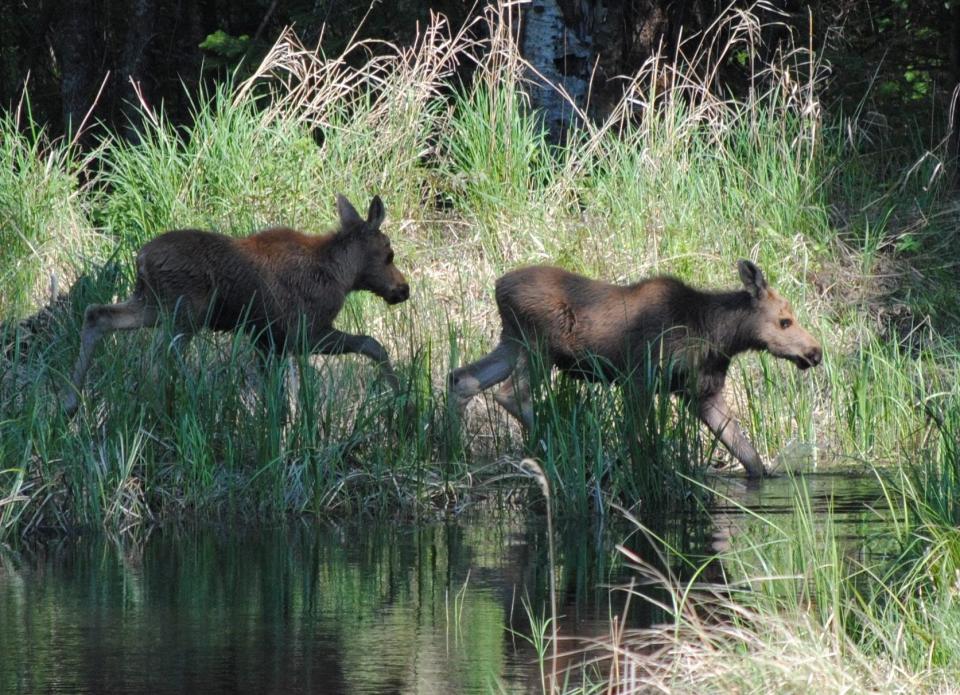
[(594, 330), (284, 287)]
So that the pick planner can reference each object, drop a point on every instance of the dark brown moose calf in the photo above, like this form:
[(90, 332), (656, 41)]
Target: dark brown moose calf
[(284, 287), (584, 326)]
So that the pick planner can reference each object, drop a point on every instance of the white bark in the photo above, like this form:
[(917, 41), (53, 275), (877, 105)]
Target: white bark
[(561, 54)]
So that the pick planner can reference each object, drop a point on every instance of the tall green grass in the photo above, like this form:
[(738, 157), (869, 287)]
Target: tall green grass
[(44, 230), (685, 181), (802, 604)]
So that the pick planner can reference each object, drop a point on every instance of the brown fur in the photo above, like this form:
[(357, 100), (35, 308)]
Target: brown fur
[(284, 287), (594, 330)]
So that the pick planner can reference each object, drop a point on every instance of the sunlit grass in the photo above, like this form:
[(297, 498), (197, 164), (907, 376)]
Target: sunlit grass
[(45, 235)]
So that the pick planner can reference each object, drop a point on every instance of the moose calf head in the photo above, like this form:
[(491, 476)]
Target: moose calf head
[(377, 272), (775, 326)]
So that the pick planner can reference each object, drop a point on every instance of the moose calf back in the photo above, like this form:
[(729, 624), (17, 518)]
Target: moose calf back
[(267, 282)]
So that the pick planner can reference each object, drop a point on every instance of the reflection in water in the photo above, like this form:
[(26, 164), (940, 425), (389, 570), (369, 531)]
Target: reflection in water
[(855, 503), (324, 609), (364, 608)]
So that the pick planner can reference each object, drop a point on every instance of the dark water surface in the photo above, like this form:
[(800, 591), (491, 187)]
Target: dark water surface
[(321, 608)]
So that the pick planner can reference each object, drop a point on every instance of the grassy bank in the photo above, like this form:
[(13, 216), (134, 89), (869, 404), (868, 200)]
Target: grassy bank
[(803, 601), (798, 605), (685, 180)]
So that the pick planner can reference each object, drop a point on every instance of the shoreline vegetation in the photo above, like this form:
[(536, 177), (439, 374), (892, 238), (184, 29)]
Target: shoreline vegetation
[(793, 604), (859, 234)]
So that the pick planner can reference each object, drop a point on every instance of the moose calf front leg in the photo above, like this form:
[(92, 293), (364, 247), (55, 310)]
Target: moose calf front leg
[(334, 342), (716, 415)]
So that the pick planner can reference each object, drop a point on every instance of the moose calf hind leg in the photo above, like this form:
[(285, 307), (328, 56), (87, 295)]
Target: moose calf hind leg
[(515, 396), (100, 319), (469, 380)]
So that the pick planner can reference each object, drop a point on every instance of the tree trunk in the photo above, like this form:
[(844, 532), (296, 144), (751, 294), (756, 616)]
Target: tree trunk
[(560, 49), (564, 39), (953, 145), (74, 41), (138, 35)]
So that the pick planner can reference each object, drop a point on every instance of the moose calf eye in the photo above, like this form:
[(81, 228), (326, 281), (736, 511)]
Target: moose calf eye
[(785, 323)]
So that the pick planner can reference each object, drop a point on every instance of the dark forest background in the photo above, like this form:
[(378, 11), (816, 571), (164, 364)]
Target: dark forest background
[(897, 58)]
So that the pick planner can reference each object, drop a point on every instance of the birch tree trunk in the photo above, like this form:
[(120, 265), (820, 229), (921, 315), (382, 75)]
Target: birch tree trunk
[(560, 49), (564, 39)]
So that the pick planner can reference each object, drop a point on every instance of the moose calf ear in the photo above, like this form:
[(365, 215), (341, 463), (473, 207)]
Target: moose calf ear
[(376, 213), (349, 216), (752, 278)]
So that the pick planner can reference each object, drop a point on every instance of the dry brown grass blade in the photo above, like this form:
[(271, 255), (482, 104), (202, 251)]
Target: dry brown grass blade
[(311, 87)]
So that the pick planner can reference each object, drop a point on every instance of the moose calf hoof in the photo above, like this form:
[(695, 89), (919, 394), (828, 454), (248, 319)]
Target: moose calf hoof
[(757, 473), (462, 385), (70, 404)]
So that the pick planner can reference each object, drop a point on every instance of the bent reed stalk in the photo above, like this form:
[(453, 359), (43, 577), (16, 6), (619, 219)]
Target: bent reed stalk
[(679, 177)]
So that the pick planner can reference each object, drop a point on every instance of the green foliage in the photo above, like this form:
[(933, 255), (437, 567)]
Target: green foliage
[(223, 49), (632, 444), (892, 602), (43, 225), (497, 153), (229, 171)]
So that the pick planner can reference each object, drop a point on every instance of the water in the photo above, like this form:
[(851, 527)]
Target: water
[(322, 608)]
